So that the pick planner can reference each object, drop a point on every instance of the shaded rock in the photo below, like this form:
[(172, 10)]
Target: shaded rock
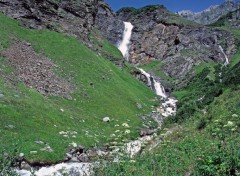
[(83, 158), (146, 132), (74, 159), (91, 153), (107, 21), (80, 149), (25, 166)]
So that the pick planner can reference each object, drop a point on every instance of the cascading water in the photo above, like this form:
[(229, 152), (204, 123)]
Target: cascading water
[(124, 45), (168, 107), (155, 85), (226, 58)]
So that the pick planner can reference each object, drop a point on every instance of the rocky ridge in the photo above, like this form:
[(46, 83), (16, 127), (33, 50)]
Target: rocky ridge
[(211, 14), (107, 21), (232, 20), (69, 16)]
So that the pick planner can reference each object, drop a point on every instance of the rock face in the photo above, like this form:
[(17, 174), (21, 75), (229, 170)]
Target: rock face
[(211, 14), (232, 19), (107, 21), (179, 45), (70, 16)]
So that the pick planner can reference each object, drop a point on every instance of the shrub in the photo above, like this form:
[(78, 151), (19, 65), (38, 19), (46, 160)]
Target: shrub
[(201, 124)]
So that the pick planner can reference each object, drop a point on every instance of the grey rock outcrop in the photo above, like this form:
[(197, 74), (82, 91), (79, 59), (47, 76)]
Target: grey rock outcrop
[(73, 17), (211, 14), (232, 20), (107, 21)]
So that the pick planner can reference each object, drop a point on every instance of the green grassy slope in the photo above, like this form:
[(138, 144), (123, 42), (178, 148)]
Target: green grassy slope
[(101, 89)]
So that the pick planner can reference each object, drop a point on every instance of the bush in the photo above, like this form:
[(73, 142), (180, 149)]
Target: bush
[(5, 166), (221, 160), (201, 124)]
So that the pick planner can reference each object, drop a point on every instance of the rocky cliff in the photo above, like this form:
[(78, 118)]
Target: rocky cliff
[(177, 44), (232, 20), (211, 14), (70, 16), (106, 21)]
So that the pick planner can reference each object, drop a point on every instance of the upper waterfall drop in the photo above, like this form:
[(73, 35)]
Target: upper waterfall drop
[(124, 45)]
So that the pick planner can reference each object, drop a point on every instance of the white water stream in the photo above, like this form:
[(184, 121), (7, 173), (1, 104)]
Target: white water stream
[(226, 58), (158, 88), (124, 45), (79, 169)]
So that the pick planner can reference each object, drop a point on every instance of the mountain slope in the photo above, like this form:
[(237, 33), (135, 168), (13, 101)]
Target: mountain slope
[(99, 89), (211, 14), (230, 20)]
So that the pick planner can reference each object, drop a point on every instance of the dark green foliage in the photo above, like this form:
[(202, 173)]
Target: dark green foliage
[(201, 92), (6, 162), (223, 158), (201, 124), (135, 11), (232, 76)]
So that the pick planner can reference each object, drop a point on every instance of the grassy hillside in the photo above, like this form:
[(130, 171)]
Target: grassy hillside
[(100, 89)]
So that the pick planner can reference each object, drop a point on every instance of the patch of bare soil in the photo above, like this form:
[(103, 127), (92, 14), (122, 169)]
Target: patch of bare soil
[(36, 70)]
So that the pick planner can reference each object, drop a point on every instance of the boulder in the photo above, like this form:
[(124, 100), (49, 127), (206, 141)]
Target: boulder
[(25, 166), (83, 158), (106, 119)]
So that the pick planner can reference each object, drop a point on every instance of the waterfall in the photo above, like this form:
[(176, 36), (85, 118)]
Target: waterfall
[(226, 58), (168, 105), (155, 85), (124, 45)]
